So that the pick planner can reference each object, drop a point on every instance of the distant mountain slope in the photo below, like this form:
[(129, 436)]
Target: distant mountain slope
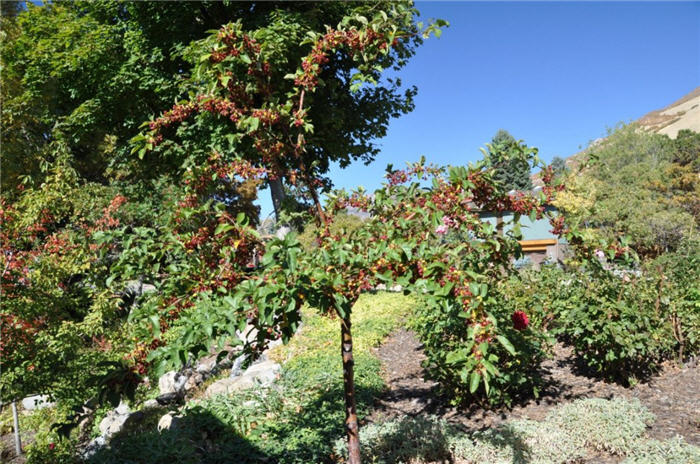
[(682, 114)]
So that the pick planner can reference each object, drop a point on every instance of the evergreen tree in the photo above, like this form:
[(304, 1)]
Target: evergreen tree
[(510, 172), (558, 165)]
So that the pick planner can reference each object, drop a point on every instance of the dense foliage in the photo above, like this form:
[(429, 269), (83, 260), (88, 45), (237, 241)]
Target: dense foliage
[(644, 186), (622, 323)]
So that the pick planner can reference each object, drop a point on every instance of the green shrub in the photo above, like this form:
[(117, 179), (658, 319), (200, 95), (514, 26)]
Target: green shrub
[(515, 355), (614, 328), (610, 317), (678, 297)]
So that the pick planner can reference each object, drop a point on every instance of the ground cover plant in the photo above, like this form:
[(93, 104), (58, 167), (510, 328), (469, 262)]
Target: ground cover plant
[(566, 435)]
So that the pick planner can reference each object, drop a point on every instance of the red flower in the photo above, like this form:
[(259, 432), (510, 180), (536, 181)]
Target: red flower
[(520, 320), (52, 446)]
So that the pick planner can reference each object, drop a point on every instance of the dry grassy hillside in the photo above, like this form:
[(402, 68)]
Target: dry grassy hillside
[(681, 114)]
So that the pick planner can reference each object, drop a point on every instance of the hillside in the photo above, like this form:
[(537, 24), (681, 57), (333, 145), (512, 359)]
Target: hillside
[(681, 114)]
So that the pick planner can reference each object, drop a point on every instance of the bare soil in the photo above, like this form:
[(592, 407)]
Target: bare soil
[(673, 395)]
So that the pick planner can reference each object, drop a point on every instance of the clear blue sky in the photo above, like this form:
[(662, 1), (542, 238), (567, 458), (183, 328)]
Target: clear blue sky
[(555, 74)]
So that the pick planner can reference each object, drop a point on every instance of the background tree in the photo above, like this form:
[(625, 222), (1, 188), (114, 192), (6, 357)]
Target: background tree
[(558, 165), (641, 185), (510, 171), (96, 70)]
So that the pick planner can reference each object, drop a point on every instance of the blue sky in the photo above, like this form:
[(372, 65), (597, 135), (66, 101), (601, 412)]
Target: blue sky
[(555, 74)]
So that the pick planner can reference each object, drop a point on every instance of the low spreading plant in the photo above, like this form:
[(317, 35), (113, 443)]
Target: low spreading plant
[(672, 451), (568, 434), (606, 425)]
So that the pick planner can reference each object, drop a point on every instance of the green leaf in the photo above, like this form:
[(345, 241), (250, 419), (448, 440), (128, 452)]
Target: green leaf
[(506, 344), (474, 381), (223, 227), (455, 357), (155, 323)]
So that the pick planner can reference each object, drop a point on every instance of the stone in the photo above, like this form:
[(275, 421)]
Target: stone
[(193, 381), (31, 403), (168, 398), (148, 288), (151, 404), (264, 373), (282, 232), (237, 366), (135, 289), (206, 365), (171, 382), (123, 408), (220, 387), (168, 422), (114, 421), (93, 447)]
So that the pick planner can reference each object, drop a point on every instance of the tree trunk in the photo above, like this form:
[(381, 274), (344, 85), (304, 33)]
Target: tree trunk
[(278, 196), (351, 426)]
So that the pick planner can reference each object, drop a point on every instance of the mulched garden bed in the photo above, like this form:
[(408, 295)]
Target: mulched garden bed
[(673, 395)]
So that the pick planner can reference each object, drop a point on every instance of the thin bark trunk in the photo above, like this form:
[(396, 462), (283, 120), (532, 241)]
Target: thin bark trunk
[(278, 195), (351, 425)]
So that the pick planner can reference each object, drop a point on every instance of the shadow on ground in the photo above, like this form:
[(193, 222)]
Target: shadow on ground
[(304, 433)]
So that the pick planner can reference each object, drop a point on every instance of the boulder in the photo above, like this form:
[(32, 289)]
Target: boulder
[(169, 398), (168, 422), (114, 421), (220, 387), (31, 403), (282, 232), (151, 404), (262, 374), (193, 381), (172, 382)]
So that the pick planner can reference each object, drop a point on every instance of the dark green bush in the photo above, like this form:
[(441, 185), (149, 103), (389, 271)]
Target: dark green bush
[(619, 323), (443, 331)]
